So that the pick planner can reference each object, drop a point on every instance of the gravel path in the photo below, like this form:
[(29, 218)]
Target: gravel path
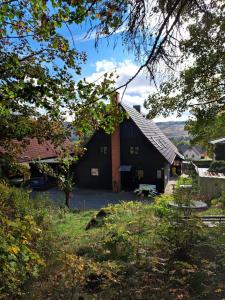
[(91, 199)]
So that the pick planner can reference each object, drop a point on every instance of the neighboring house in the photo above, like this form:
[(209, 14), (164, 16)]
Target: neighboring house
[(218, 149), (194, 153), (137, 152), (183, 147), (45, 152)]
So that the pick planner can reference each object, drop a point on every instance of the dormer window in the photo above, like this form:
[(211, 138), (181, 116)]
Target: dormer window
[(134, 150), (104, 150)]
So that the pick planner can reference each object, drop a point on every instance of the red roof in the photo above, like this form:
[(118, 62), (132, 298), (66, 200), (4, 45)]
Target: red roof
[(35, 150)]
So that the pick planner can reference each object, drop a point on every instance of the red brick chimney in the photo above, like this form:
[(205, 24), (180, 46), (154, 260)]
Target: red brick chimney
[(115, 145)]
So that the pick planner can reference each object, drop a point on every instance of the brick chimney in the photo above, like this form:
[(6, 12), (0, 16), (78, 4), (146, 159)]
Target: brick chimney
[(115, 145)]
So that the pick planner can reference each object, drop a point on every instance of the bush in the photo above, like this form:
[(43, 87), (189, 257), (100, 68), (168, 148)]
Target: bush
[(217, 166), (219, 202), (119, 242), (182, 180), (161, 205), (19, 236)]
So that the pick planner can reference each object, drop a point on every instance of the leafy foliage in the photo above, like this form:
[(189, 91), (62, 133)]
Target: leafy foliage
[(199, 88), (38, 64), (161, 205), (132, 253), (219, 202), (217, 166), (19, 235), (38, 88), (62, 174)]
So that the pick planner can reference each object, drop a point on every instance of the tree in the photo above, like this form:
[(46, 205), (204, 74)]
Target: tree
[(37, 67), (62, 174), (199, 88), (38, 63)]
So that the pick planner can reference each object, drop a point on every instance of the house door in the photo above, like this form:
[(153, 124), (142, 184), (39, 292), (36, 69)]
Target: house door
[(126, 177), (126, 181)]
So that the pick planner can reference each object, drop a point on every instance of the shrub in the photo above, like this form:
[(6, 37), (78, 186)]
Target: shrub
[(161, 205), (182, 180), (119, 242), (217, 166), (220, 202), (19, 236), (180, 234)]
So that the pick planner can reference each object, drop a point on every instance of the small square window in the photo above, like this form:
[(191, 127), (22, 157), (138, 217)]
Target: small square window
[(104, 150), (140, 174), (134, 150), (131, 150), (94, 172)]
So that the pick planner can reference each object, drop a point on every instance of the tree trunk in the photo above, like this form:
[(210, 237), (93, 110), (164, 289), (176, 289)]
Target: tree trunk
[(67, 199)]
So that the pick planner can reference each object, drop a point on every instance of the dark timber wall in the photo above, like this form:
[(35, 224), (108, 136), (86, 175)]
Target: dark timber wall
[(148, 162), (220, 152), (93, 158), (149, 159)]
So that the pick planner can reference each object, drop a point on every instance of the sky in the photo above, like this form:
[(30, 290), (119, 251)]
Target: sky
[(110, 56)]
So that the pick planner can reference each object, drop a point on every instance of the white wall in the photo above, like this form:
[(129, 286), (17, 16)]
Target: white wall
[(192, 155)]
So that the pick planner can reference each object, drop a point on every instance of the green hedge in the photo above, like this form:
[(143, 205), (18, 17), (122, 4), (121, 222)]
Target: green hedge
[(217, 166)]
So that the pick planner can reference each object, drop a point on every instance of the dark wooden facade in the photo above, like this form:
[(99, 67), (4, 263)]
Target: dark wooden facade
[(219, 151), (95, 158), (147, 164), (140, 161)]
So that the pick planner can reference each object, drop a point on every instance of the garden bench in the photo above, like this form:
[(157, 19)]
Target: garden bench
[(149, 189)]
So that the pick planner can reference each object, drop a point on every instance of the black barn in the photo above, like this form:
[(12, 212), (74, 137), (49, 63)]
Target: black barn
[(137, 152)]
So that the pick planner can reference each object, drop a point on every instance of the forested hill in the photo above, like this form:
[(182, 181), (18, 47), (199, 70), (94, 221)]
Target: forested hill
[(174, 130)]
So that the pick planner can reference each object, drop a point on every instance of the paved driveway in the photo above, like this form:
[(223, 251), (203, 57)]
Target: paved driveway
[(91, 199)]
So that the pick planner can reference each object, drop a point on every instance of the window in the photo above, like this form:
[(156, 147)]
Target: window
[(104, 150), (134, 150), (94, 172), (140, 174), (176, 163), (159, 174)]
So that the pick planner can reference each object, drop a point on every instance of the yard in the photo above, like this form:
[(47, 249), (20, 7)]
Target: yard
[(125, 250)]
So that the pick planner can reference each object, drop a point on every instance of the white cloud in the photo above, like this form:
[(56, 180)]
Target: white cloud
[(137, 91)]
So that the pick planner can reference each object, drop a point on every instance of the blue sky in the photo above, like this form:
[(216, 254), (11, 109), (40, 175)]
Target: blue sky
[(111, 55)]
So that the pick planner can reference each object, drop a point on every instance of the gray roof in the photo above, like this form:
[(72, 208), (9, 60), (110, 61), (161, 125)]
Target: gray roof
[(218, 141), (183, 147), (193, 149), (153, 134)]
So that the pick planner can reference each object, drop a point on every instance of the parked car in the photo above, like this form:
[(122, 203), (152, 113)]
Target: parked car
[(16, 181), (40, 183)]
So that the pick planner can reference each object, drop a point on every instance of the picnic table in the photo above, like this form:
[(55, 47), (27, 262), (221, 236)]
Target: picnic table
[(149, 189)]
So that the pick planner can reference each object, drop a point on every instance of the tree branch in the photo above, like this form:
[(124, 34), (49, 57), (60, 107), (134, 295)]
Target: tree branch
[(7, 2), (221, 99)]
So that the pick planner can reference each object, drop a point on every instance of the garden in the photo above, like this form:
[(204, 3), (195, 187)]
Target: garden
[(130, 250)]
